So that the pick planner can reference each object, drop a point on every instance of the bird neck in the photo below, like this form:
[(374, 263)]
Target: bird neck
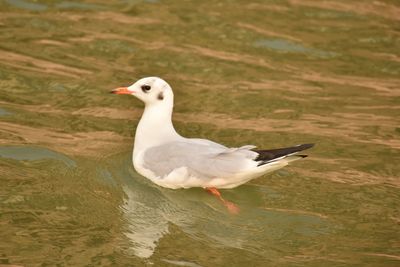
[(155, 127)]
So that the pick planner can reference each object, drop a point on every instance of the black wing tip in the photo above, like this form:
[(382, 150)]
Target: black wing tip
[(260, 163), (268, 155), (306, 146)]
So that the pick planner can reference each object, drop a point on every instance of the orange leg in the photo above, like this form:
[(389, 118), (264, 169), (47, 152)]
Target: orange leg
[(232, 208)]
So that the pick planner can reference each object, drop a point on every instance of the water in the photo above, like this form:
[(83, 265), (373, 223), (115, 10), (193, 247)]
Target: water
[(268, 73)]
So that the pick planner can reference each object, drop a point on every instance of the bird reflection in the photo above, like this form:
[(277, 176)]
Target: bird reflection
[(148, 211)]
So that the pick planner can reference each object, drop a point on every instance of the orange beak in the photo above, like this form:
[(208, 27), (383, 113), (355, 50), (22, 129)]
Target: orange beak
[(121, 91)]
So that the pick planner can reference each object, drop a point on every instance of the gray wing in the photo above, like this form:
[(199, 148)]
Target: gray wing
[(206, 142), (201, 159)]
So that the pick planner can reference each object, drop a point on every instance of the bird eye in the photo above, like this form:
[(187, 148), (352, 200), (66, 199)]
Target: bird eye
[(146, 88)]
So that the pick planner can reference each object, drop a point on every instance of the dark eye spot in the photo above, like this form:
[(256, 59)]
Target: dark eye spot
[(146, 88)]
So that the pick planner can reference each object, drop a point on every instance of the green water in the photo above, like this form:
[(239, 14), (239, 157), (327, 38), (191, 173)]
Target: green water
[(268, 73)]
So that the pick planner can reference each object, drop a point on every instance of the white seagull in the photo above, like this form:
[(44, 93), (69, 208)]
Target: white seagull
[(173, 161)]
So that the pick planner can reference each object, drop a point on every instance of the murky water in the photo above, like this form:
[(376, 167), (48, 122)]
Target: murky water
[(268, 73)]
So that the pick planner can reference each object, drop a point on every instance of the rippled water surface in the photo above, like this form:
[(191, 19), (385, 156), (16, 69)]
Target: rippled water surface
[(268, 73)]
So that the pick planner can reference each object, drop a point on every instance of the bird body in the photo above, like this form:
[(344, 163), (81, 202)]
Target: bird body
[(173, 161)]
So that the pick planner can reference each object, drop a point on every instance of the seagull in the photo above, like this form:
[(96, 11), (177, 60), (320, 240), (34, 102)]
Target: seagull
[(173, 161)]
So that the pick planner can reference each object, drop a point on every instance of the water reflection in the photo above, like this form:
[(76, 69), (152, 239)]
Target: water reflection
[(282, 45), (149, 210), (283, 73), (27, 5), (4, 112), (33, 154), (145, 224)]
